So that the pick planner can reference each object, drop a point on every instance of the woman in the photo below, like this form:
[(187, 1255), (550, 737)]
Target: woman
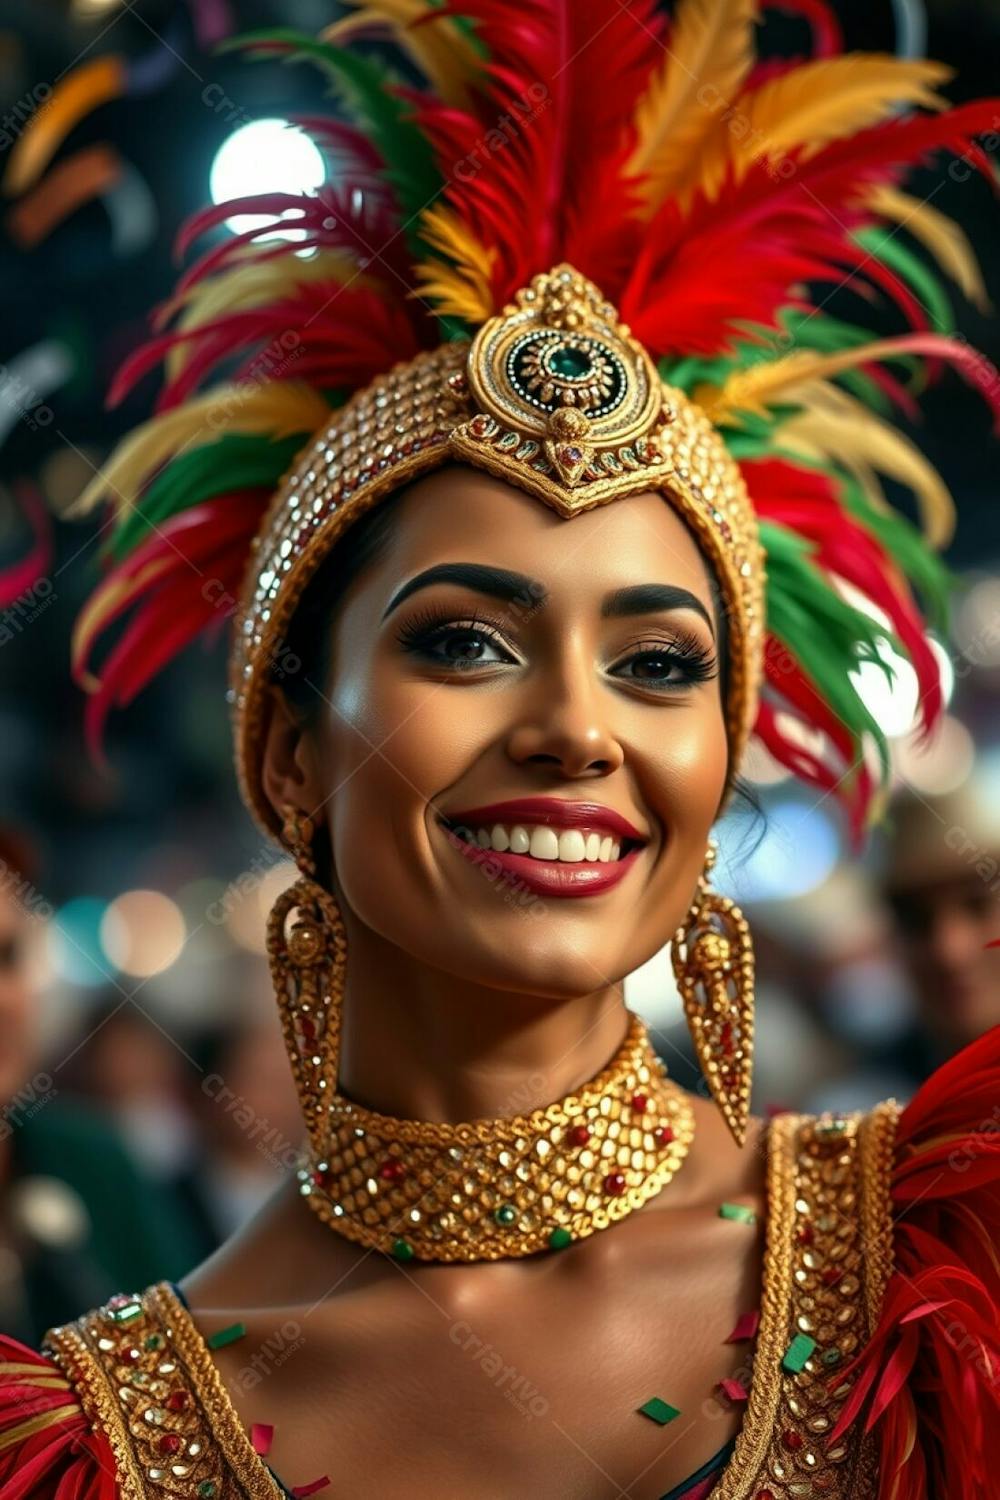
[(496, 746)]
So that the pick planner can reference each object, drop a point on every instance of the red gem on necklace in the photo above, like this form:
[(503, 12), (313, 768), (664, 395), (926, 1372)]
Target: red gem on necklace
[(663, 1134), (579, 1135), (831, 1275), (792, 1440), (639, 1103), (169, 1443), (392, 1170), (176, 1401), (614, 1184), (131, 1354), (726, 1038), (804, 1234)]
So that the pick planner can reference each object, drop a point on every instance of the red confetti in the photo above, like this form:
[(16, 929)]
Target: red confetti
[(746, 1328), (261, 1436), (310, 1489), (733, 1389)]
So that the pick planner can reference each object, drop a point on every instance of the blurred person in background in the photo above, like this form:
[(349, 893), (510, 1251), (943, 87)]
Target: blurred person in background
[(250, 1126), (941, 881), (77, 1218)]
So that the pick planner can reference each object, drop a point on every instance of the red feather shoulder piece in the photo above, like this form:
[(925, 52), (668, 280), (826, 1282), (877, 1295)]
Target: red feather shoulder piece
[(928, 1382), (48, 1448)]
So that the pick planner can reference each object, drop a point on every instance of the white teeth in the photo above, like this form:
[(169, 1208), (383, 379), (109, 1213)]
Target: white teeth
[(541, 841), (544, 843), (571, 846)]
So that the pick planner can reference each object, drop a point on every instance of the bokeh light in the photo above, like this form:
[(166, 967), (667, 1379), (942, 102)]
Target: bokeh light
[(265, 156), (73, 940), (142, 932)]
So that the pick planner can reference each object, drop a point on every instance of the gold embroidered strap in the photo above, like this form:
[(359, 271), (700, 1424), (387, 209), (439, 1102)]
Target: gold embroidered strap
[(146, 1379), (828, 1258)]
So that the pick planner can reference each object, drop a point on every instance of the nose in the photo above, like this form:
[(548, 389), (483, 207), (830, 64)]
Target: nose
[(564, 721)]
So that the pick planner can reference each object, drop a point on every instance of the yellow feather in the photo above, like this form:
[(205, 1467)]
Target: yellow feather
[(278, 408), (462, 288), (835, 424), (253, 284), (755, 389), (814, 104), (940, 236), (708, 56), (440, 49)]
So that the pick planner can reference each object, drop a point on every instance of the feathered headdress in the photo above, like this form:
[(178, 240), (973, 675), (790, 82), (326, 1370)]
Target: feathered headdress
[(713, 198)]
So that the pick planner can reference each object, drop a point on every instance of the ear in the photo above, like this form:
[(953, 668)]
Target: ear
[(290, 762)]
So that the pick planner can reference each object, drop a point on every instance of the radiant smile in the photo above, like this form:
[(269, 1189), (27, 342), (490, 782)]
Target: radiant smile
[(548, 844)]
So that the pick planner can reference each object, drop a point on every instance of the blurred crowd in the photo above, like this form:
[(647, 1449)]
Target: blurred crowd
[(130, 1148)]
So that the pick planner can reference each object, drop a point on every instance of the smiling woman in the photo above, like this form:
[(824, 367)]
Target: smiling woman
[(519, 581)]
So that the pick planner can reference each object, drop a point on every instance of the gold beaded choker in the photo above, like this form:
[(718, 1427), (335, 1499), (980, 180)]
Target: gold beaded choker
[(494, 1189)]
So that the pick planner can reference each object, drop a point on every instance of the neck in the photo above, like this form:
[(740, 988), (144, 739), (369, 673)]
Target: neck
[(420, 1044)]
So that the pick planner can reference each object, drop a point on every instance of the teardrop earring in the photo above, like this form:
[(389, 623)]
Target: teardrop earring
[(713, 961), (307, 952)]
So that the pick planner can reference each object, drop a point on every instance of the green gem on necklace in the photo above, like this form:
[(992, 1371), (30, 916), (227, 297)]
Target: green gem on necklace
[(559, 1238), (831, 1356), (798, 1351), (206, 1489), (152, 1341), (402, 1250), (505, 1214)]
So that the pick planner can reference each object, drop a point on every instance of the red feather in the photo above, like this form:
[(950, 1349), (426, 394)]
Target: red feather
[(931, 1371)]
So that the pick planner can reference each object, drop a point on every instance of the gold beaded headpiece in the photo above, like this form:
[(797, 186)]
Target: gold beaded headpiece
[(553, 396)]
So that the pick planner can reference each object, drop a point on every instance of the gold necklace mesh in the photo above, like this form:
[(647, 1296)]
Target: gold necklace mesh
[(493, 1189)]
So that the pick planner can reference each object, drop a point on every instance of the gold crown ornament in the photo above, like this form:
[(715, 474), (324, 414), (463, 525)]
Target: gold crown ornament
[(553, 395)]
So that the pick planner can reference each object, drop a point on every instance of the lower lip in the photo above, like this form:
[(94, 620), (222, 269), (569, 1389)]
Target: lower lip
[(550, 877)]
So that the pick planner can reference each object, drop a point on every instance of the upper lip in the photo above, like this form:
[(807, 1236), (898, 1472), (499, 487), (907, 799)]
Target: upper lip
[(556, 812)]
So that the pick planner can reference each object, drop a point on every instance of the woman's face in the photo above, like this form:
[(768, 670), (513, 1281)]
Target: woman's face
[(495, 654)]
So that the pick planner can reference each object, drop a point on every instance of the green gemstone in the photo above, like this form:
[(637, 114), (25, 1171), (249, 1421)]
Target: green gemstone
[(569, 361), (402, 1250), (559, 1239), (207, 1489), (505, 1214), (660, 1411), (798, 1351), (831, 1356), (152, 1341), (127, 1314)]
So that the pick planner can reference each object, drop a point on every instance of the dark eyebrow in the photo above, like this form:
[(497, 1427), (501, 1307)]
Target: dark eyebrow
[(502, 583)]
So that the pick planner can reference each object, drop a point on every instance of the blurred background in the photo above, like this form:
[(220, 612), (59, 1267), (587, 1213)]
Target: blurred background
[(146, 1105)]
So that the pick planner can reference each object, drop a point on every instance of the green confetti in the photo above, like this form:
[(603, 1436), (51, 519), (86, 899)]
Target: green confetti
[(226, 1335), (659, 1411), (738, 1212)]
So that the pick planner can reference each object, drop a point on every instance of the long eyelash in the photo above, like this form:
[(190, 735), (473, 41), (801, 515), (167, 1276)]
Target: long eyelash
[(685, 647), (423, 626)]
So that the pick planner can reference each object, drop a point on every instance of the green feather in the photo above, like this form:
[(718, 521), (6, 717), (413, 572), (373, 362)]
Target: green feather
[(884, 246), (822, 630), (237, 462), (366, 92)]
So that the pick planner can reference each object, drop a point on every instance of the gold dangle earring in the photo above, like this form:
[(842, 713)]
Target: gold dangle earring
[(307, 951), (713, 963)]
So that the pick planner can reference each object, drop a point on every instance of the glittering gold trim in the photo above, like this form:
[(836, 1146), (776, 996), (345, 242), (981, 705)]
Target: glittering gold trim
[(826, 1265), (88, 1376), (758, 1422), (244, 1463), (127, 1400)]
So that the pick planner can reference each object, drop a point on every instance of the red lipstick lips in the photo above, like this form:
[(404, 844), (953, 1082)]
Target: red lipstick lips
[(555, 812), (546, 877)]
